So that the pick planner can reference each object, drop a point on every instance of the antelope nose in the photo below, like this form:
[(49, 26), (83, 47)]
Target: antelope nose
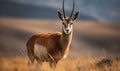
[(67, 30)]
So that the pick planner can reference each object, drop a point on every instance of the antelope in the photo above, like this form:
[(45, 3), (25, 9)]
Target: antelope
[(52, 47)]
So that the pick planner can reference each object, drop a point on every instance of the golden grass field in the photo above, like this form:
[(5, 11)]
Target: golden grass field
[(95, 45), (72, 64)]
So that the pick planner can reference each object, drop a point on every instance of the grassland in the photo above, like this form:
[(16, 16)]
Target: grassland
[(72, 64)]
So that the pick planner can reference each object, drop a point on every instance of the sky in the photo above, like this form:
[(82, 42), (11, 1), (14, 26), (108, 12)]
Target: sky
[(103, 10)]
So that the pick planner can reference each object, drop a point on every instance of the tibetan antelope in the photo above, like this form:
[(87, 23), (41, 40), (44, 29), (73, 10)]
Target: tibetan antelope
[(52, 47)]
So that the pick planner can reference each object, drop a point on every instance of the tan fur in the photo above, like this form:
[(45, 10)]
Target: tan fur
[(56, 44)]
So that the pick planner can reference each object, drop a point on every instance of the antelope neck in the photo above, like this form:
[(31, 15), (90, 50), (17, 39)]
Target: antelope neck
[(66, 40)]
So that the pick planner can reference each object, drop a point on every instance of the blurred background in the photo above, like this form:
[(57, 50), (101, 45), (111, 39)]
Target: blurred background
[(96, 32)]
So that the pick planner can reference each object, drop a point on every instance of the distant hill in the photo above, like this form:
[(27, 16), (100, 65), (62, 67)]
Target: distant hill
[(14, 9)]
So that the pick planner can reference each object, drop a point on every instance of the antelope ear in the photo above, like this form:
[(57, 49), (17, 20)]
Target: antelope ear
[(60, 15), (75, 16)]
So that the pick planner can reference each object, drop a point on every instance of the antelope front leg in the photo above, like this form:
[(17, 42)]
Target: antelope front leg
[(52, 64), (52, 61)]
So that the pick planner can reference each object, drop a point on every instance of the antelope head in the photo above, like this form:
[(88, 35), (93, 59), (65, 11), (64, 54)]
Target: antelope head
[(67, 22)]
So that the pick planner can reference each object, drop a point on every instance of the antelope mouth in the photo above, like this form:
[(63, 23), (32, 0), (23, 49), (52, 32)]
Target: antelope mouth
[(67, 31)]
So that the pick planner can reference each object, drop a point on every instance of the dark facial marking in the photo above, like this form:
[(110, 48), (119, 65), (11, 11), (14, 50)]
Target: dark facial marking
[(68, 20)]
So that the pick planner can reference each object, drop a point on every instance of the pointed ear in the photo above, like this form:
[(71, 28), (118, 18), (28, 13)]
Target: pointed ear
[(60, 15), (75, 16)]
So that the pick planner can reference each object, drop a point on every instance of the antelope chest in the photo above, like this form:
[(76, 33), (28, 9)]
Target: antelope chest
[(66, 53)]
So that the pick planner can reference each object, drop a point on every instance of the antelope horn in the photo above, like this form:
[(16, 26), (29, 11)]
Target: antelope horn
[(72, 9), (64, 9)]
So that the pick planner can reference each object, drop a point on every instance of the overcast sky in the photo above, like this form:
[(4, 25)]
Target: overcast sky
[(99, 9)]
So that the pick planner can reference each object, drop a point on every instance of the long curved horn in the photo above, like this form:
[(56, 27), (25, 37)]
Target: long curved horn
[(72, 9), (64, 9)]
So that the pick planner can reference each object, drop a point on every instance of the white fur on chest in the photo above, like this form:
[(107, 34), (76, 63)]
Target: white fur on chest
[(66, 53), (40, 50)]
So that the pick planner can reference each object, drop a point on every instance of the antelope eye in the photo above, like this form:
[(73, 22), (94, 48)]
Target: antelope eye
[(63, 23)]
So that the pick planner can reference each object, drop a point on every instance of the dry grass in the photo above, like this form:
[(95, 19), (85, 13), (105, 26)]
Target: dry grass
[(73, 64)]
